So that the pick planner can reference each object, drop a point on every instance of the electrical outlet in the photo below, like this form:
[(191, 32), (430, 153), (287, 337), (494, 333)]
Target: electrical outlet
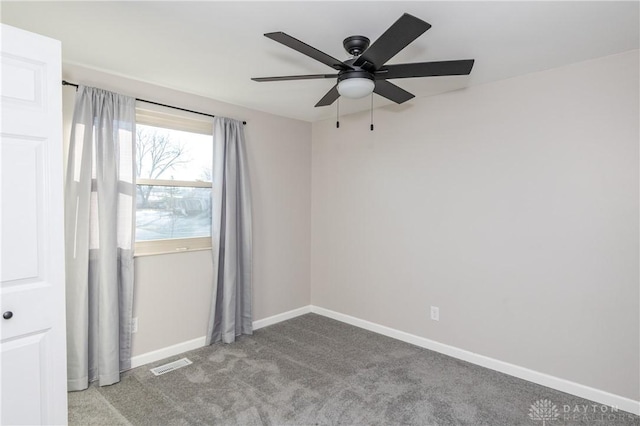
[(435, 313), (134, 325)]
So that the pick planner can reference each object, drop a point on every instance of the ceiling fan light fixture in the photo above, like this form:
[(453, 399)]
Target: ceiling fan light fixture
[(356, 87), (366, 71)]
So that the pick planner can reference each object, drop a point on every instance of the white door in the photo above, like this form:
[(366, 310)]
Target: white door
[(33, 371)]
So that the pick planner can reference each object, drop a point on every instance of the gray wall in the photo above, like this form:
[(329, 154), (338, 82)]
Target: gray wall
[(172, 291), (511, 206)]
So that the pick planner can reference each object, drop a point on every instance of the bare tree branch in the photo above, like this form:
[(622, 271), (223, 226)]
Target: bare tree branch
[(156, 153)]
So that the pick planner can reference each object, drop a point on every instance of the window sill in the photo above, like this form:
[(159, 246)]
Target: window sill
[(171, 246), (174, 251)]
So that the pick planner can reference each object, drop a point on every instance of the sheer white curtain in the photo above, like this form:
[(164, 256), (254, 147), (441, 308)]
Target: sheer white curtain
[(231, 313), (100, 201)]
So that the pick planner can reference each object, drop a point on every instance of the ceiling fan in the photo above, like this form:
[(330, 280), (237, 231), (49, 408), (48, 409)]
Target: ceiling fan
[(366, 71)]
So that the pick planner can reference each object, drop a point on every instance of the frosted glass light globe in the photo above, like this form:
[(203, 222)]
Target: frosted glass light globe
[(355, 88)]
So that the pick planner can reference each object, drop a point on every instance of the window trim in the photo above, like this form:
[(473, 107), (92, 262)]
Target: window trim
[(171, 246), (159, 116), (162, 117)]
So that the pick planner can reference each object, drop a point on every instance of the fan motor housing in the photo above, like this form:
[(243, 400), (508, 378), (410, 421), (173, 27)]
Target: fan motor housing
[(343, 75), (356, 44)]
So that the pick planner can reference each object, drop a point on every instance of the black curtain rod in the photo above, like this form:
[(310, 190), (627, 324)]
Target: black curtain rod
[(66, 83)]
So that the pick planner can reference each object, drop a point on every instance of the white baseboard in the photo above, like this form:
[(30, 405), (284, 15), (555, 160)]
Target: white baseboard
[(199, 342), (163, 353), (599, 396), (281, 317)]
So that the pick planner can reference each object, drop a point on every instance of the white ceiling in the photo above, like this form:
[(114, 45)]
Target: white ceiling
[(214, 48)]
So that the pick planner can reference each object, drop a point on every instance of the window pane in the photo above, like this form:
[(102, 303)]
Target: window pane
[(164, 212), (173, 154)]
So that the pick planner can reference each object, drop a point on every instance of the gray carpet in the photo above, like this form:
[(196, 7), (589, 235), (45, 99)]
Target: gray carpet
[(313, 370)]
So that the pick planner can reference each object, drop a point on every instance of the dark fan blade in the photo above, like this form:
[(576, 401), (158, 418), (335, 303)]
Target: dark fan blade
[(330, 97), (295, 77), (425, 69), (397, 37), (392, 92), (305, 49)]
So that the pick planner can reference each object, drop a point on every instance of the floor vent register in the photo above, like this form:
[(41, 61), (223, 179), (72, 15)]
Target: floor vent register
[(163, 369)]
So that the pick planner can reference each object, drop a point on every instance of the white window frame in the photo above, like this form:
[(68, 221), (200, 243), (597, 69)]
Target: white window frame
[(163, 117)]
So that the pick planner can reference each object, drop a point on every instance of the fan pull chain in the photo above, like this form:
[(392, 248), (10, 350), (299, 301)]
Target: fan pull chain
[(338, 114), (371, 112)]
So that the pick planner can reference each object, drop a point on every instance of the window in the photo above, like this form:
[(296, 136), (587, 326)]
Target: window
[(174, 168)]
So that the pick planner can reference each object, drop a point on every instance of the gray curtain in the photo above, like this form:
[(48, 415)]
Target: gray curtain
[(231, 234), (99, 236)]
